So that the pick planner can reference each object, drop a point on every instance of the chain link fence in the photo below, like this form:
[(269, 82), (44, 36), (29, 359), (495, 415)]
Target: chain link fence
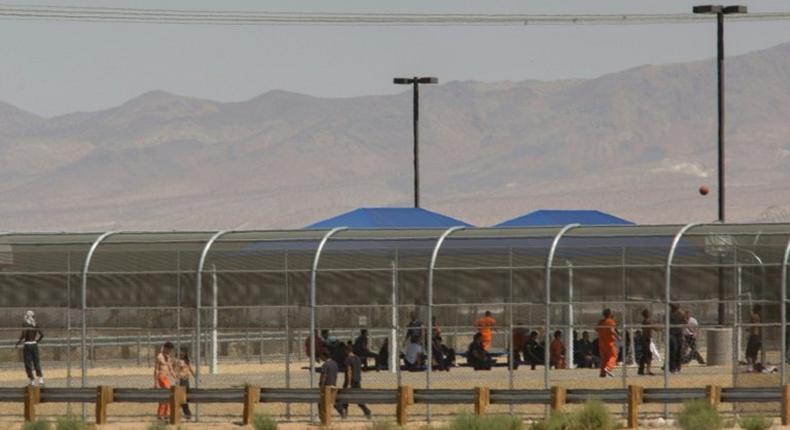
[(242, 305)]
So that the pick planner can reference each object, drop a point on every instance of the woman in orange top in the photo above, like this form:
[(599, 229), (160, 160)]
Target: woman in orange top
[(557, 351), (484, 326), (607, 343)]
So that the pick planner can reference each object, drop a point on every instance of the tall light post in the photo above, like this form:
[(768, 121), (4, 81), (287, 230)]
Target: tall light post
[(415, 82), (720, 11)]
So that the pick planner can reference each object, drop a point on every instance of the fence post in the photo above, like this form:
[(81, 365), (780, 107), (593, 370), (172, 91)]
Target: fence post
[(104, 396), (482, 400), (785, 405), (32, 398), (405, 399), (634, 400), (252, 396), (713, 393), (178, 396), (557, 398), (326, 403)]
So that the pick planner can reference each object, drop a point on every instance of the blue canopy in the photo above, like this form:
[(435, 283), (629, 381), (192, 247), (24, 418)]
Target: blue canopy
[(389, 218), (545, 217)]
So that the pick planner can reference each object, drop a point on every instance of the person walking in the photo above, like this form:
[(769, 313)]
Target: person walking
[(607, 343), (185, 371), (645, 339), (690, 334), (361, 348), (31, 336), (519, 336), (677, 321), (755, 342), (353, 379), (163, 371), (485, 325), (329, 371)]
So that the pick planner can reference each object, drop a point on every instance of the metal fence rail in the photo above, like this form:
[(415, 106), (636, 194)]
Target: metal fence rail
[(481, 397), (224, 294)]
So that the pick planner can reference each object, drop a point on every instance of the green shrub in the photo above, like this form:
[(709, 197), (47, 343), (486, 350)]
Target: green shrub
[(755, 422), (593, 416), (699, 415), (555, 421), (70, 422), (158, 425), (37, 425), (491, 422), (264, 422)]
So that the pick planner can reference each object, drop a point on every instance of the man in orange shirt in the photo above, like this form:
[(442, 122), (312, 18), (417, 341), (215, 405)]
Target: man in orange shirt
[(485, 326), (607, 343)]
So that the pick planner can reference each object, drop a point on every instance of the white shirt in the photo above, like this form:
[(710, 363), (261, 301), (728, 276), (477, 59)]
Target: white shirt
[(412, 352), (691, 330)]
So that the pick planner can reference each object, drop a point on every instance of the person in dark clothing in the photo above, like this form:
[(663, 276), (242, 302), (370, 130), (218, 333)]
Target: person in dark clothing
[(645, 356), (414, 330), (184, 371), (519, 339), (383, 357), (338, 352), (533, 351), (476, 355), (443, 356), (329, 371), (353, 379), (362, 348), (678, 322), (755, 342), (31, 336), (584, 352)]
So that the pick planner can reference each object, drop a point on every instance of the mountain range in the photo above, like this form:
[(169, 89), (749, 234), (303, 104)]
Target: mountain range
[(637, 143)]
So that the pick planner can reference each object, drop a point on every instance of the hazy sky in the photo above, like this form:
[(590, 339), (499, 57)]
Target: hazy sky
[(51, 68)]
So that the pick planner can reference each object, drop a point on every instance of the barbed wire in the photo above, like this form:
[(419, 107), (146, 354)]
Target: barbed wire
[(251, 17)]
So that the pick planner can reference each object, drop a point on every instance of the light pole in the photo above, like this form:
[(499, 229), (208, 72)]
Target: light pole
[(415, 82), (720, 11)]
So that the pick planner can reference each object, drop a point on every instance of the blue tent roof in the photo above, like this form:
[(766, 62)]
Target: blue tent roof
[(546, 217), (390, 218)]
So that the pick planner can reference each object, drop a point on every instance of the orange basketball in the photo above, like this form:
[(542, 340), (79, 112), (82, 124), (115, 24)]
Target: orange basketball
[(704, 190)]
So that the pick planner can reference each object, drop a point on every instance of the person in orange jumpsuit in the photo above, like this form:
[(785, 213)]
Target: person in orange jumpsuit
[(607, 343), (163, 371), (557, 351), (485, 326)]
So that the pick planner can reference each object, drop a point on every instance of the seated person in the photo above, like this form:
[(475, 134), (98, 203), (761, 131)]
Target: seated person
[(414, 357), (533, 351), (443, 356), (383, 357), (361, 348), (557, 351), (584, 352), (476, 355)]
